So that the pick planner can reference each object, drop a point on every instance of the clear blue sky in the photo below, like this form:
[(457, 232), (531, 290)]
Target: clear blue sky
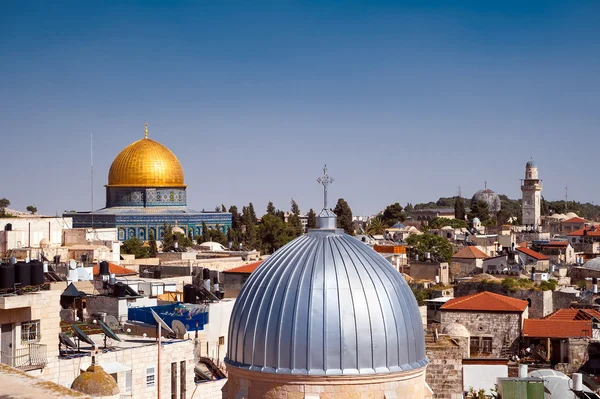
[(404, 102)]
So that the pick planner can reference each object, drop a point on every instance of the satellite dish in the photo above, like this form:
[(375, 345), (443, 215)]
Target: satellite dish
[(179, 329), (108, 332), (162, 323), (65, 340), (112, 322), (82, 336), (72, 264)]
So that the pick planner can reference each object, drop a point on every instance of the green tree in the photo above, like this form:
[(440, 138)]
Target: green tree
[(408, 208), (375, 226), (135, 246), (480, 210), (168, 239), (311, 223), (4, 203), (250, 237), (459, 208), (344, 216), (294, 223), (544, 207), (31, 209), (270, 208), (205, 234), (223, 209), (153, 251), (438, 247), (273, 233), (393, 214), (438, 223)]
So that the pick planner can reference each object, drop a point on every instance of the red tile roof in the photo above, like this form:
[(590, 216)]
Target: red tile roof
[(591, 233), (532, 253), (574, 314), (486, 302), (115, 269), (575, 220), (249, 268), (470, 252), (554, 328)]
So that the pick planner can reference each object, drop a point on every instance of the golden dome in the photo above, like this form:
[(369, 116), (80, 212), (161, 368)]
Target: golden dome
[(146, 163)]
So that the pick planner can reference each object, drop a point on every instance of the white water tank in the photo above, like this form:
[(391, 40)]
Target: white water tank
[(523, 369), (577, 382)]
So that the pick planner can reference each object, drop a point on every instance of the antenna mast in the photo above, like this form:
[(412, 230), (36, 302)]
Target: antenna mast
[(92, 174), (566, 198)]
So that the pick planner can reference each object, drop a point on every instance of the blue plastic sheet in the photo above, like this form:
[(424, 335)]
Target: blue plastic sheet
[(190, 315)]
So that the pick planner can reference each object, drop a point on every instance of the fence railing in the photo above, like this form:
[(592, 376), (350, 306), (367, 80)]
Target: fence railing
[(31, 357)]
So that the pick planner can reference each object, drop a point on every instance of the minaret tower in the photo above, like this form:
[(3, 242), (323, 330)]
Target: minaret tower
[(531, 188)]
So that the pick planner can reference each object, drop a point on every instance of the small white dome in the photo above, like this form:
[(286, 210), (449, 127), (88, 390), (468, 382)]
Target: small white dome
[(178, 229), (456, 330), (44, 243), (571, 215)]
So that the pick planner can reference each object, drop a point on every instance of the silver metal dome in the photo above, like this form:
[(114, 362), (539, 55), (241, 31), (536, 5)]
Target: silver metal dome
[(326, 304), (489, 197)]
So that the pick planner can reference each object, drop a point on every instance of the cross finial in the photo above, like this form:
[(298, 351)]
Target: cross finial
[(485, 184), (325, 180), (145, 130)]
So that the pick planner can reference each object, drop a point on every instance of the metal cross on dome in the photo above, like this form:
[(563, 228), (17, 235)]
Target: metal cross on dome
[(325, 180)]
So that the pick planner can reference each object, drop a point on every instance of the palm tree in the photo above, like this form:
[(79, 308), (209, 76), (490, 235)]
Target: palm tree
[(375, 226)]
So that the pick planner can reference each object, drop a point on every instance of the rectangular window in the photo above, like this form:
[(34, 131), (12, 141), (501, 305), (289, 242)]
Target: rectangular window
[(474, 345), (182, 381), (174, 380), (222, 340), (150, 377), (30, 331), (486, 345)]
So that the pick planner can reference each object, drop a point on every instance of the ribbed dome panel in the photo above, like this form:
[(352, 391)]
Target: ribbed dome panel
[(326, 304)]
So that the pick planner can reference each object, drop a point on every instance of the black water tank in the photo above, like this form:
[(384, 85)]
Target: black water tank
[(205, 274), (157, 274), (120, 290), (84, 258), (215, 280), (56, 259), (189, 293), (7, 276), (23, 273), (104, 268), (37, 273), (594, 280)]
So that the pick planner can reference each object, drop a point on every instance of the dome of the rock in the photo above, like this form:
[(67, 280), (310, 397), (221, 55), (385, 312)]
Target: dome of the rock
[(146, 163)]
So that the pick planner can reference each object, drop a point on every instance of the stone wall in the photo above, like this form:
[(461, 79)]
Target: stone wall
[(137, 359), (444, 372), (497, 325), (252, 384)]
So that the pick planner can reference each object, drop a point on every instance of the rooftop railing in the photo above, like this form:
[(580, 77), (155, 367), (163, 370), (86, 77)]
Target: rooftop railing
[(32, 357)]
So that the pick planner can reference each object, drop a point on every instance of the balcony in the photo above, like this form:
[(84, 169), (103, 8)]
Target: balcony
[(32, 357)]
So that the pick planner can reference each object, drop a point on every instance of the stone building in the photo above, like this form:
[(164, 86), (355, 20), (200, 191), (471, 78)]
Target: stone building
[(235, 278), (467, 261), (326, 316), (494, 322), (530, 258), (30, 324)]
